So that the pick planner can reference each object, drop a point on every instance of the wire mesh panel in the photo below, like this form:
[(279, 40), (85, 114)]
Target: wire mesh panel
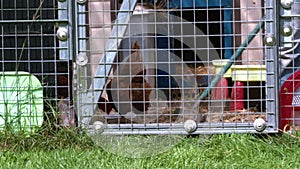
[(175, 66), (289, 66), (35, 60)]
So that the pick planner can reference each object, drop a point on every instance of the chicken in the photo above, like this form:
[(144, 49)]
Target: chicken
[(134, 64), (66, 113)]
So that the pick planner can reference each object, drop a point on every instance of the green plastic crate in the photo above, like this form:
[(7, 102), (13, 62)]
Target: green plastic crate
[(21, 101)]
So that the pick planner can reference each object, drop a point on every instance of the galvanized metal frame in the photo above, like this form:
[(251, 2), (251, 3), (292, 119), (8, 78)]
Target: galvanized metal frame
[(44, 54), (272, 66), (87, 96), (94, 91)]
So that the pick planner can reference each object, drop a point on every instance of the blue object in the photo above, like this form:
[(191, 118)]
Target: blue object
[(226, 4), (199, 3), (165, 80), (227, 8)]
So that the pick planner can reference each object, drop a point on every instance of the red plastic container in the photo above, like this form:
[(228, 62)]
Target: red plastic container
[(220, 91), (237, 96), (288, 112)]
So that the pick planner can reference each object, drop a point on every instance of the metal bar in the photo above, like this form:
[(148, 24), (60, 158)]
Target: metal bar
[(272, 81), (176, 125), (182, 132), (105, 66), (35, 21)]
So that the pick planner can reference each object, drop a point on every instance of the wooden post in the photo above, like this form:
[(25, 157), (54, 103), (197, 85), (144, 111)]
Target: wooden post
[(250, 14)]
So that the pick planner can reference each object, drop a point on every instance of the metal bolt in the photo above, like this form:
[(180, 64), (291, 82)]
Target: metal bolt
[(287, 30), (98, 127), (62, 34), (259, 125), (190, 126), (286, 3), (82, 59), (270, 40), (81, 1)]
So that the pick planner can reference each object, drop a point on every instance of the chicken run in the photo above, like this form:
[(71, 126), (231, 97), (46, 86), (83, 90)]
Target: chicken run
[(151, 67)]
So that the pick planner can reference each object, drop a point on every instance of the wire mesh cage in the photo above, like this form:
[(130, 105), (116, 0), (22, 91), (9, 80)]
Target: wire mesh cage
[(175, 66), (35, 61), (289, 66)]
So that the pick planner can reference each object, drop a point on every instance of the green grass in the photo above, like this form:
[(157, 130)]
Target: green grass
[(69, 149)]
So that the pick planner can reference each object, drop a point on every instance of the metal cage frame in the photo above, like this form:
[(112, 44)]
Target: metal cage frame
[(87, 96), (36, 42), (59, 48)]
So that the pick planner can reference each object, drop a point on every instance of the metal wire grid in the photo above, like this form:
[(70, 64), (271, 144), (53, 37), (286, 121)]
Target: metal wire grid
[(144, 72), (29, 43), (289, 60)]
